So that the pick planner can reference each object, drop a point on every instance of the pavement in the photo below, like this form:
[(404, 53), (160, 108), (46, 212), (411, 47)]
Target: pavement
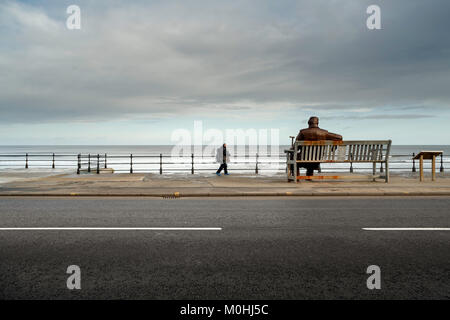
[(264, 248), (39, 183)]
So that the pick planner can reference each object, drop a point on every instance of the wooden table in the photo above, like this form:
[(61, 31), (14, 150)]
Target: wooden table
[(428, 155)]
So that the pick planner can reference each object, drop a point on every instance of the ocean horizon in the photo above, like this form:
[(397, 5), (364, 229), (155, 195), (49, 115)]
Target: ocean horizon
[(396, 150)]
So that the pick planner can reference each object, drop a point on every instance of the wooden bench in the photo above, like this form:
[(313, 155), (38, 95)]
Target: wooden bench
[(374, 152)]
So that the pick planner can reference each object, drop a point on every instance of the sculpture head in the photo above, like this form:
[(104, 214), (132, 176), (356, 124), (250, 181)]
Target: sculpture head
[(313, 122)]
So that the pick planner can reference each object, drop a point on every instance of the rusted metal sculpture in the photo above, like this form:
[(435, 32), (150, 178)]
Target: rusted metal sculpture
[(314, 133)]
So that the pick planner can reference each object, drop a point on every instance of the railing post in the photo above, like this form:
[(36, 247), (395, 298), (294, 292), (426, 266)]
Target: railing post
[(192, 170), (106, 156), (351, 163), (160, 163), (131, 163), (98, 163), (292, 140), (256, 168), (79, 164), (89, 162), (53, 161), (26, 161), (441, 169), (414, 163)]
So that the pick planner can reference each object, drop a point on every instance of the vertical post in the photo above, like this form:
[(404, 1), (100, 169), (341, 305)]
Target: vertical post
[(106, 158), (53, 161), (433, 168), (374, 170), (160, 163), (192, 169), (421, 167), (414, 163), (441, 169), (388, 150), (387, 170), (89, 162), (287, 165), (381, 168), (256, 168), (79, 164), (98, 163), (292, 140), (131, 163), (26, 161), (351, 163), (295, 161)]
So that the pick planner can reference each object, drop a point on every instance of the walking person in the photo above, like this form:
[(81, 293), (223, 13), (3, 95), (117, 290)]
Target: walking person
[(223, 157)]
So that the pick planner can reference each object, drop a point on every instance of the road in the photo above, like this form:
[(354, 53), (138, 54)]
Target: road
[(263, 248)]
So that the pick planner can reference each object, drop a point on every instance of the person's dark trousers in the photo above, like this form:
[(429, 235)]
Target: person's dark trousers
[(224, 167), (310, 167)]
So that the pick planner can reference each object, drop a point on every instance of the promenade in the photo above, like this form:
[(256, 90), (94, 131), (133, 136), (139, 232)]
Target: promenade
[(34, 183)]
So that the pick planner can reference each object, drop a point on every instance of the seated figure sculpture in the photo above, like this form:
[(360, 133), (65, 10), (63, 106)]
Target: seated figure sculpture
[(314, 133)]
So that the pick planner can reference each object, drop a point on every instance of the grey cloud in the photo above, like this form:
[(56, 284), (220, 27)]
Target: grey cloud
[(170, 58), (381, 117)]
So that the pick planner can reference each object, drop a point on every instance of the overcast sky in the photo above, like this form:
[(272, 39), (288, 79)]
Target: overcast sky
[(137, 70)]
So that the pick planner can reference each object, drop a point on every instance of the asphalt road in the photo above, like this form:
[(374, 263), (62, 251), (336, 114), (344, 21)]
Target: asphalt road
[(283, 248)]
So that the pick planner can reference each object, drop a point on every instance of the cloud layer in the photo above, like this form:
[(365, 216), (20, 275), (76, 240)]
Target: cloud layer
[(166, 59)]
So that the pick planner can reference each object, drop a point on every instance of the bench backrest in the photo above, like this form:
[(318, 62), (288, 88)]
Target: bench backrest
[(345, 151)]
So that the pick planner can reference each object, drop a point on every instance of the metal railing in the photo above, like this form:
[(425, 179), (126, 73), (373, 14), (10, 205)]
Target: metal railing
[(160, 163)]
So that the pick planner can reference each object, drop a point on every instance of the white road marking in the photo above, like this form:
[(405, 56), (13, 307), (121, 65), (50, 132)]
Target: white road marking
[(113, 228), (407, 229)]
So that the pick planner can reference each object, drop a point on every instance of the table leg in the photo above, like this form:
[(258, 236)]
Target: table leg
[(433, 168), (421, 168)]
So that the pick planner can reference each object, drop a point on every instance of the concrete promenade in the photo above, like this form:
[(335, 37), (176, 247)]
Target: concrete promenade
[(51, 183)]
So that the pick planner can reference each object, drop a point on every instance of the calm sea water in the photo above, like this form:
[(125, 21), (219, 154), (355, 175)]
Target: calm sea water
[(396, 150), (146, 158)]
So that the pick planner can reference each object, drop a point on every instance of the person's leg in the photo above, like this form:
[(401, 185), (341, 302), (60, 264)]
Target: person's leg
[(220, 168), (225, 167), (309, 169)]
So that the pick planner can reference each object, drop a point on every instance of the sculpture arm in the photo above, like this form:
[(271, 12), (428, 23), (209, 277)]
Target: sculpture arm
[(334, 136), (300, 136)]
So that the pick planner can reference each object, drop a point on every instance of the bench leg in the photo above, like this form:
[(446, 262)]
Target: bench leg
[(295, 172), (421, 168), (374, 170), (387, 172), (433, 168)]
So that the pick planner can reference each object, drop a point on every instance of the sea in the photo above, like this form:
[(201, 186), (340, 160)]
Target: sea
[(170, 159)]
